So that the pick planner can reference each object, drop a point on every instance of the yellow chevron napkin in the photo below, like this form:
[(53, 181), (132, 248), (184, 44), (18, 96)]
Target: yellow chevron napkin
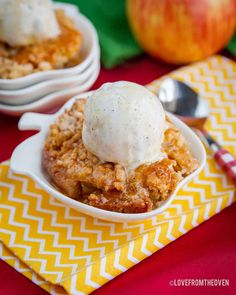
[(66, 252)]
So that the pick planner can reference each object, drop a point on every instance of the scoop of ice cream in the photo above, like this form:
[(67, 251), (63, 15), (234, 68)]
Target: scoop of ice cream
[(23, 22), (124, 123)]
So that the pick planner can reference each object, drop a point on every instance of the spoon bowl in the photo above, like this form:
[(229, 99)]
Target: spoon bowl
[(182, 100)]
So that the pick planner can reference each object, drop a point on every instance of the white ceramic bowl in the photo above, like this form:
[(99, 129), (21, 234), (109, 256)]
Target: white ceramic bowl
[(88, 51), (50, 101), (31, 149), (37, 91)]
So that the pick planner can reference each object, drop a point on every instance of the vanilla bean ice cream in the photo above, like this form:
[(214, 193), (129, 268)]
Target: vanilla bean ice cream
[(124, 123), (23, 22)]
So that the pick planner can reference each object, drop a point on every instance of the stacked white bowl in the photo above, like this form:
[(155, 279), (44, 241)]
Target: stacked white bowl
[(44, 90)]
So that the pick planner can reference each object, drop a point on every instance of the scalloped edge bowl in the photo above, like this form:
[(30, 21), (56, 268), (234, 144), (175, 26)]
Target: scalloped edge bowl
[(37, 91), (51, 100), (31, 149)]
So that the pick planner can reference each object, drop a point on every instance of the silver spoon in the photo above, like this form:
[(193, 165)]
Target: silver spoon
[(181, 100)]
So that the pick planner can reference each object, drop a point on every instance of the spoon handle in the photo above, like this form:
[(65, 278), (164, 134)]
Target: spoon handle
[(227, 162), (223, 157)]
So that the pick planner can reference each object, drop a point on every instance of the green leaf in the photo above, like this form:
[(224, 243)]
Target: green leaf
[(232, 45), (115, 37)]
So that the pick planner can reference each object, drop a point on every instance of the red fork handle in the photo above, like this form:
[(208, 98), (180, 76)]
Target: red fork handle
[(223, 157), (227, 162)]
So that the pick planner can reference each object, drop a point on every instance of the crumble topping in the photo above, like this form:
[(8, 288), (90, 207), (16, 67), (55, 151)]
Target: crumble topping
[(82, 176)]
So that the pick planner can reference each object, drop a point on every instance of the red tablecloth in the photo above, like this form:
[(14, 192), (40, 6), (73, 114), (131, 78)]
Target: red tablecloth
[(208, 251)]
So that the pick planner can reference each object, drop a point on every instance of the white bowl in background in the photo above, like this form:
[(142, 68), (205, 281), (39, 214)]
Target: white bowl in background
[(52, 100), (36, 91), (31, 149), (88, 50)]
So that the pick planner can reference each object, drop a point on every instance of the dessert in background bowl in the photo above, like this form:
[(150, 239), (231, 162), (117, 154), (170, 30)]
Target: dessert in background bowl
[(117, 150), (47, 89), (87, 53), (44, 40)]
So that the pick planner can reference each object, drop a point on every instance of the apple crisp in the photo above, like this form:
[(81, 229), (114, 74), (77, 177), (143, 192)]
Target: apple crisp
[(82, 176), (60, 52)]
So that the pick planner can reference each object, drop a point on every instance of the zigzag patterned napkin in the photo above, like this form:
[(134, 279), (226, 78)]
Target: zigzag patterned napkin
[(66, 252)]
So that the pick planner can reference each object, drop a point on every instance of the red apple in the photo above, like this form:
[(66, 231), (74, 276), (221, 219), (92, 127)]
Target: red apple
[(182, 31)]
